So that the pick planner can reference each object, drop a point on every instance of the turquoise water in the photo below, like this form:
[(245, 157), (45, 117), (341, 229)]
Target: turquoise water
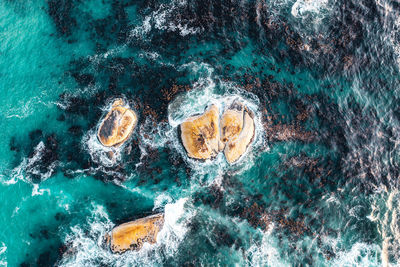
[(319, 185)]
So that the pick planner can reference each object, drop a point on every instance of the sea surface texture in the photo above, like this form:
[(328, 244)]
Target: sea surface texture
[(319, 186)]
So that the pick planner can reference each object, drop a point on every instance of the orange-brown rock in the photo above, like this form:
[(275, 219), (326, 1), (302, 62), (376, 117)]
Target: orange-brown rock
[(132, 235), (232, 122), (200, 134), (237, 144), (118, 125)]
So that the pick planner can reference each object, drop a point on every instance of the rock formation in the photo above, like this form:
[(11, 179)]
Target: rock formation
[(204, 136), (200, 134), (118, 125), (232, 122), (132, 235), (238, 130)]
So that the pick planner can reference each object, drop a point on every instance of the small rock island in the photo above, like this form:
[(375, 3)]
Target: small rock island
[(118, 125), (132, 235), (204, 136)]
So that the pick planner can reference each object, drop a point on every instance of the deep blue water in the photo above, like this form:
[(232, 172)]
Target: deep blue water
[(318, 187)]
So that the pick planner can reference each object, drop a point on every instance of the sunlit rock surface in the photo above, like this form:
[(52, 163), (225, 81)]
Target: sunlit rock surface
[(239, 132), (200, 134), (118, 125), (232, 122), (132, 235)]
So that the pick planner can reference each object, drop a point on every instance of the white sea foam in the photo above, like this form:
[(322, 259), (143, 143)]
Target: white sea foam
[(304, 7), (16, 174), (37, 191), (163, 16), (98, 152), (86, 248), (198, 98), (177, 216), (152, 135), (23, 110), (83, 247), (309, 16), (29, 166), (3, 258), (142, 30), (32, 166), (150, 55), (98, 58), (265, 253), (360, 254), (160, 19), (161, 200)]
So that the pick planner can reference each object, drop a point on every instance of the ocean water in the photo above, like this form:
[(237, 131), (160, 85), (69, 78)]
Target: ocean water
[(318, 187)]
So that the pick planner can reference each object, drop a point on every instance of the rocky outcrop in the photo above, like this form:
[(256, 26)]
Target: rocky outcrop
[(232, 122), (200, 134), (237, 126), (204, 136), (118, 125), (132, 235)]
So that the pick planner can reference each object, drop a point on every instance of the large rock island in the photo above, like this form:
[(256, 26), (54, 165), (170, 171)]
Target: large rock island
[(204, 136), (118, 125), (132, 235), (200, 134)]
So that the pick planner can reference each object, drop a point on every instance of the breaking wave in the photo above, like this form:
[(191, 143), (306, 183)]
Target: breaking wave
[(87, 247)]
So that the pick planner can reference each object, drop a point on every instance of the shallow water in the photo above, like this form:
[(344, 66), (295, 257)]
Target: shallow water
[(319, 185)]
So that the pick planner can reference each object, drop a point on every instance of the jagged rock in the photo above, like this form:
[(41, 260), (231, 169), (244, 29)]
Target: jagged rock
[(200, 134), (132, 235), (118, 125)]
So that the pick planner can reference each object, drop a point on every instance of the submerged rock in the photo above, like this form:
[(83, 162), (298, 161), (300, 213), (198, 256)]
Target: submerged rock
[(204, 136), (132, 235), (118, 125), (200, 134), (237, 126)]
